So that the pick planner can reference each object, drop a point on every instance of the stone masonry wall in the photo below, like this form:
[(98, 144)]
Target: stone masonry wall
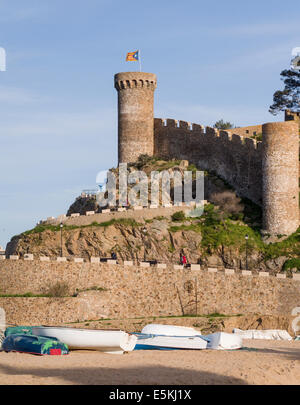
[(247, 131), (280, 162), (235, 158), (137, 291)]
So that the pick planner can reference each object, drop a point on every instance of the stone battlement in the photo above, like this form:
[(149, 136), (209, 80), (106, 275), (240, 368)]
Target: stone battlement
[(193, 128), (135, 80), (235, 158)]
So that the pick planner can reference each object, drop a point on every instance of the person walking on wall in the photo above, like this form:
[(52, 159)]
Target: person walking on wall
[(183, 260)]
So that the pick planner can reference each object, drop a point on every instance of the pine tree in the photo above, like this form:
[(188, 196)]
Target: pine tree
[(223, 125), (289, 97)]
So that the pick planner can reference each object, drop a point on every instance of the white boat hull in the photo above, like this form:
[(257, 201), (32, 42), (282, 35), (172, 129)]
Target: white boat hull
[(161, 342), (108, 341), (170, 330), (224, 341)]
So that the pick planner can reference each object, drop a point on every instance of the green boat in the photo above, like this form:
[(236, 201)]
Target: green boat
[(18, 330)]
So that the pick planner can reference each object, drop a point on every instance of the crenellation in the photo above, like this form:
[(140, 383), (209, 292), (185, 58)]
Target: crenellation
[(251, 143), (133, 83), (259, 146), (159, 122), (237, 139), (171, 123), (225, 135), (184, 125), (198, 128), (211, 131)]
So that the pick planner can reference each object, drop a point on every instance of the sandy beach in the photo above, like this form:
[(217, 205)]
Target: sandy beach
[(264, 362)]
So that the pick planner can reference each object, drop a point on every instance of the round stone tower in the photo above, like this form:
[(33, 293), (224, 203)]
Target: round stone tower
[(280, 168), (135, 114)]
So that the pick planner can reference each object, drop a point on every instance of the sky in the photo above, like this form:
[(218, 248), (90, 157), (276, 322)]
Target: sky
[(58, 106)]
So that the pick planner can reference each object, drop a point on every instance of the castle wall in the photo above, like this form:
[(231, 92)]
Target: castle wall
[(292, 116), (236, 159), (136, 291), (252, 130)]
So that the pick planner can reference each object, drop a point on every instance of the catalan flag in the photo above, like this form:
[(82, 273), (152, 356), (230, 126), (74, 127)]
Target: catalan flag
[(132, 56)]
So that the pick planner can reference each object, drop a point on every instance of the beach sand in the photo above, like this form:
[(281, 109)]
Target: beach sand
[(266, 362)]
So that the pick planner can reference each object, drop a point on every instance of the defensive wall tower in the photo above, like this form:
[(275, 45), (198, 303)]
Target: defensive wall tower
[(135, 114), (280, 172)]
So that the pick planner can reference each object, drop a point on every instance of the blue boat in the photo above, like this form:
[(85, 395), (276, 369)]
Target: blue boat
[(26, 343)]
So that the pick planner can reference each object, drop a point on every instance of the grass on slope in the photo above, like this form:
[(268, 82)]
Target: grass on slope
[(218, 231), (56, 228)]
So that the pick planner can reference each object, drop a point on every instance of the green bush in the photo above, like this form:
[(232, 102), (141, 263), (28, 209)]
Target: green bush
[(178, 216), (143, 160), (291, 264)]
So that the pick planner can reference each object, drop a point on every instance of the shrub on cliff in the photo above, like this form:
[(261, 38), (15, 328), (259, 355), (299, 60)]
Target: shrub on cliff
[(143, 160), (178, 216), (59, 289), (292, 264), (229, 204)]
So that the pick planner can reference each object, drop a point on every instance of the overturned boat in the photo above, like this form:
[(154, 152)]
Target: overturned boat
[(170, 330), (164, 342), (224, 341), (104, 340), (34, 345), (169, 337)]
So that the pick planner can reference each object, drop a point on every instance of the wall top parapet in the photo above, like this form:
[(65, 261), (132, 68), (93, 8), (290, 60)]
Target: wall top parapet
[(148, 264), (197, 129), (128, 80)]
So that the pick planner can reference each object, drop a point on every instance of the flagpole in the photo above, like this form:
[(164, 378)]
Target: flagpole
[(140, 60)]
